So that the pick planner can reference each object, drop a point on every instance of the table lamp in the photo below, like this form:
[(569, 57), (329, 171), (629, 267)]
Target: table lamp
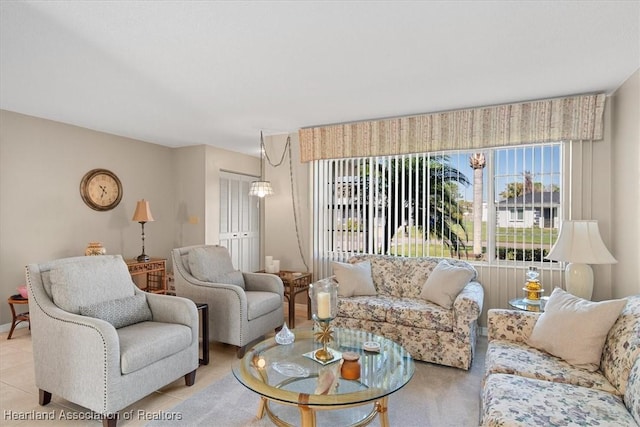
[(580, 244), (142, 215)]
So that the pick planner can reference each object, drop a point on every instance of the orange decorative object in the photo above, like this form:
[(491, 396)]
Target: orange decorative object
[(350, 369)]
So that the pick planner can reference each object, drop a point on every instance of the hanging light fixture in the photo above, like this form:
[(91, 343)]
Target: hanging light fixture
[(261, 188)]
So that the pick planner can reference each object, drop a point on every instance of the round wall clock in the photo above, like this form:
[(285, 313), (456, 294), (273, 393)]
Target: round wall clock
[(101, 189)]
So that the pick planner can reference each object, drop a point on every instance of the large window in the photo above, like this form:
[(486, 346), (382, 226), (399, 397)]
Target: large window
[(489, 206)]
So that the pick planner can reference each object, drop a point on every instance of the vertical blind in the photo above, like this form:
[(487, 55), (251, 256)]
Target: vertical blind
[(413, 205)]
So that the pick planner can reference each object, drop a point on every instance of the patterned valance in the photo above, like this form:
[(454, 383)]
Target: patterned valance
[(570, 118)]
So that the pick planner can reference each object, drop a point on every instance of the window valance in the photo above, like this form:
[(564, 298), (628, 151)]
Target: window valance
[(570, 118)]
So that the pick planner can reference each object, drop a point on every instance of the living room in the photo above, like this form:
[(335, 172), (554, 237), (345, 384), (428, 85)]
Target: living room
[(42, 161)]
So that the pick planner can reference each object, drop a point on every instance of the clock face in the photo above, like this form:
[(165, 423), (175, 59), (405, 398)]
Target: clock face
[(101, 189)]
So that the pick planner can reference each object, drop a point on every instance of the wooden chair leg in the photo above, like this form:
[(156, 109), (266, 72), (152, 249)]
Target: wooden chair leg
[(190, 378), (110, 420), (44, 397)]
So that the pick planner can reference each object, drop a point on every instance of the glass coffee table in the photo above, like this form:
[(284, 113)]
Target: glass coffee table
[(288, 375)]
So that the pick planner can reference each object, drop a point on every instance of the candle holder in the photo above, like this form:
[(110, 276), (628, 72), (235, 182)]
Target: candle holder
[(324, 308)]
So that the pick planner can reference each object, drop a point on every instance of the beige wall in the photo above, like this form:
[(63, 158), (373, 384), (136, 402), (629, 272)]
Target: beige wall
[(625, 188), (43, 217)]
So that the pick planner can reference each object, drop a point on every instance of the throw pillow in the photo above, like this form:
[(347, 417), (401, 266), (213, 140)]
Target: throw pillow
[(445, 283), (213, 264), (354, 279), (120, 312), (575, 329), (90, 280)]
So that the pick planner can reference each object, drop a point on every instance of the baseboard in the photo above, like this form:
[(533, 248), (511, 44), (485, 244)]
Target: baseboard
[(7, 326)]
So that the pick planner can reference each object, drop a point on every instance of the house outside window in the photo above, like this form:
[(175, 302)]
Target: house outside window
[(424, 204)]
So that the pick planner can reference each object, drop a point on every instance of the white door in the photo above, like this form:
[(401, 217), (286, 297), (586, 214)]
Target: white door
[(240, 221)]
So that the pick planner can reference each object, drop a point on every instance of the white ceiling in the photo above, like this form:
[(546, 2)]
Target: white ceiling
[(218, 72)]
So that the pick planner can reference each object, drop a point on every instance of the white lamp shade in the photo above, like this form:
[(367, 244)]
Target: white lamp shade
[(260, 189), (580, 242)]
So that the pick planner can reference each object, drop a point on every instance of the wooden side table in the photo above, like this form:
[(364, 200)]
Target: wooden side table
[(20, 317), (295, 282), (154, 272)]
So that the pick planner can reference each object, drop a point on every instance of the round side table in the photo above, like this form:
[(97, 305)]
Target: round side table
[(20, 317), (521, 304)]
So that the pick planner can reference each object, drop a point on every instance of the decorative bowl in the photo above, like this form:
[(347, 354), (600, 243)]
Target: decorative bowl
[(22, 289)]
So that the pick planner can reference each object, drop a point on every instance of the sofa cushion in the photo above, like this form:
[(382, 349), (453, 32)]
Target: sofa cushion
[(510, 357), (260, 303), (622, 347), (365, 307), (419, 313), (511, 400), (445, 283), (575, 329), (213, 264), (120, 312), (94, 280), (354, 279), (145, 343)]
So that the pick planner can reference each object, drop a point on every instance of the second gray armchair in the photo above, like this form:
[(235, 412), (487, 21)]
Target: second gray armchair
[(243, 306)]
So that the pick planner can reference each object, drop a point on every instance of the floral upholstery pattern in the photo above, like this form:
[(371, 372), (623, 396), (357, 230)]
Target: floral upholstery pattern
[(622, 347), (526, 386), (511, 400), (517, 358), (427, 331)]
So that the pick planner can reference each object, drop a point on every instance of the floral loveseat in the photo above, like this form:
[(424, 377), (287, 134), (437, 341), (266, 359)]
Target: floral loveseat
[(524, 386), (395, 310)]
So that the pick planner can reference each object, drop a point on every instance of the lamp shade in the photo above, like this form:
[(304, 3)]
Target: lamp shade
[(260, 189), (143, 212), (580, 242)]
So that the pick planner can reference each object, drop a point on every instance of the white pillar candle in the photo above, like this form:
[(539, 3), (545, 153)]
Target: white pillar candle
[(268, 260), (276, 266), (269, 268), (324, 305)]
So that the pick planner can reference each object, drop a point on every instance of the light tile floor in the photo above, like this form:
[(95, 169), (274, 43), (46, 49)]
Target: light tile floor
[(19, 394)]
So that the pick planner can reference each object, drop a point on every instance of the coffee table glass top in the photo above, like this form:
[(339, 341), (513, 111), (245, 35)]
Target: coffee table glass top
[(283, 372)]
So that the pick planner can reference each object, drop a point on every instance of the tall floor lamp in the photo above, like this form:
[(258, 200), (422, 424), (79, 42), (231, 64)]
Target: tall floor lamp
[(142, 215), (580, 244)]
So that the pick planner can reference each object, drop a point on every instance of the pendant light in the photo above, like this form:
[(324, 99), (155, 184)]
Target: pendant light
[(261, 188)]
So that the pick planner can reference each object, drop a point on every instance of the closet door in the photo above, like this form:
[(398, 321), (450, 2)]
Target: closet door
[(239, 221)]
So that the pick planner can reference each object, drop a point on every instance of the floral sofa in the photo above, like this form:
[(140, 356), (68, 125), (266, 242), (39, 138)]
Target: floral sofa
[(428, 331), (524, 386)]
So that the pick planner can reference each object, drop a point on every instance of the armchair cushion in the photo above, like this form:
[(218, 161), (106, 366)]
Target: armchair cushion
[(120, 312), (145, 343), (213, 264), (74, 286)]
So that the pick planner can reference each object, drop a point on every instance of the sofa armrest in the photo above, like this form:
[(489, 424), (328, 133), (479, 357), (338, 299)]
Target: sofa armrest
[(510, 325), (264, 282), (467, 307), (171, 309)]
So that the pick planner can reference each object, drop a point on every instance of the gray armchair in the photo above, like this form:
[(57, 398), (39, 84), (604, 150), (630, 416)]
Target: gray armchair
[(100, 342), (242, 306)]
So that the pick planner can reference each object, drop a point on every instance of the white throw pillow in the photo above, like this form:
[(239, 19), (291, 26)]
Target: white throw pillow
[(354, 279), (575, 329), (445, 283)]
